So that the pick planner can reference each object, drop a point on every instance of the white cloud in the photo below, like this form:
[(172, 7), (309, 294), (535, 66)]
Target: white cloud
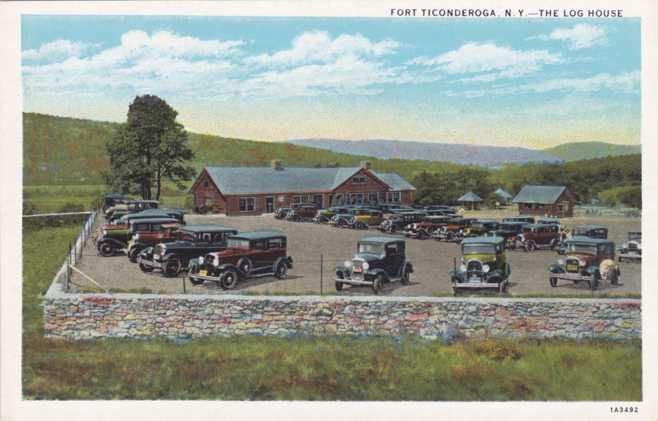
[(628, 82), (490, 60), (59, 49), (582, 35), (318, 46)]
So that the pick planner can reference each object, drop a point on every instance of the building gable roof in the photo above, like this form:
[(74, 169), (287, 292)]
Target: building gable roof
[(252, 180), (500, 192), (470, 197), (544, 195)]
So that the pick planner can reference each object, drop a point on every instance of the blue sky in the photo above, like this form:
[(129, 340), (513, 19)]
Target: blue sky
[(533, 83)]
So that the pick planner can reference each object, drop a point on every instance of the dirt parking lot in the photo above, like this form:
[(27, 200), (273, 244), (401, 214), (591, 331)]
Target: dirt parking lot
[(307, 242)]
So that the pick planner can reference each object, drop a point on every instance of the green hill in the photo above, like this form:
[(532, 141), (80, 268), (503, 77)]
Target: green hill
[(588, 150), (62, 150)]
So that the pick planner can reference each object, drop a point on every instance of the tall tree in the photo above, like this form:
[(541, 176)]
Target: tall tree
[(149, 147)]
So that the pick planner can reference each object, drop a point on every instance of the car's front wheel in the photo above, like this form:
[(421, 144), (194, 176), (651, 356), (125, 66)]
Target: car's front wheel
[(145, 268), (228, 279), (406, 276), (106, 249), (378, 283), (133, 253), (339, 286), (553, 281), (281, 271)]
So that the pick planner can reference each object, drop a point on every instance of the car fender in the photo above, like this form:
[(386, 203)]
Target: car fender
[(375, 272), (116, 242), (228, 266), (555, 268), (285, 259)]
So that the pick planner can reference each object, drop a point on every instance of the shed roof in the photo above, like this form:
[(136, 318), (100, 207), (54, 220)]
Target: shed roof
[(500, 192), (240, 180), (544, 195), (470, 197)]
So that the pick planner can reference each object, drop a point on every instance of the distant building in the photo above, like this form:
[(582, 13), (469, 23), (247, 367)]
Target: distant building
[(257, 190), (471, 199), (555, 201), (503, 196)]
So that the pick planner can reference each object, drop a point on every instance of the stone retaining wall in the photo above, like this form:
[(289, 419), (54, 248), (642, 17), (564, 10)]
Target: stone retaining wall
[(83, 316)]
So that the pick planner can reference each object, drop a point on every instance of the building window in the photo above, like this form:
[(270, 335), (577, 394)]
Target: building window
[(372, 197), (205, 183), (298, 200), (359, 179), (396, 197), (247, 204)]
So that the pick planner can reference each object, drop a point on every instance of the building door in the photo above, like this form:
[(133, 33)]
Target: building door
[(269, 204)]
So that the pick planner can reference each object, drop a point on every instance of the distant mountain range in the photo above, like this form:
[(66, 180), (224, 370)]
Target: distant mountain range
[(489, 156), (588, 150)]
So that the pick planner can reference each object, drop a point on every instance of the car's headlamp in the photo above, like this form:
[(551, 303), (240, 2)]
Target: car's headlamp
[(201, 260), (136, 236), (582, 263), (163, 250), (485, 268), (462, 267), (347, 264), (561, 262), (365, 266), (215, 261)]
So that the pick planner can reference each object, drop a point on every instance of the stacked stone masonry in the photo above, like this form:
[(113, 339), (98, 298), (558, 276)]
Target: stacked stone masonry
[(86, 316)]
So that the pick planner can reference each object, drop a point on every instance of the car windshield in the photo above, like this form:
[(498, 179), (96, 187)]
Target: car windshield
[(581, 248), (479, 249), (371, 248), (236, 243)]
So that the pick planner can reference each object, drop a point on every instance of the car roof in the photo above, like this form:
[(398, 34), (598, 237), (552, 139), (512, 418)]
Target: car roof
[(381, 239), (483, 240), (486, 221), (591, 226), (538, 225), (153, 220), (259, 235), (514, 223), (588, 240), (207, 228)]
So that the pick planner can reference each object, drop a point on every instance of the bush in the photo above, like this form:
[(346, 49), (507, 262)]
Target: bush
[(624, 195)]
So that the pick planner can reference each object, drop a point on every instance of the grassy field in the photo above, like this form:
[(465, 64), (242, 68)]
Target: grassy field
[(261, 368)]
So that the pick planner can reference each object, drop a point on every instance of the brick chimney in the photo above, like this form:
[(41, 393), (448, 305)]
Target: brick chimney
[(277, 164), (365, 164)]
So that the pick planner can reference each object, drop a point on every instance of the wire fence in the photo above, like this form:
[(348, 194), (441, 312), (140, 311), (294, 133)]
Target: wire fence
[(76, 247)]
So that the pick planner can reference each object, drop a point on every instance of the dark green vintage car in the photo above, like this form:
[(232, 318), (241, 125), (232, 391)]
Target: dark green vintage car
[(483, 265)]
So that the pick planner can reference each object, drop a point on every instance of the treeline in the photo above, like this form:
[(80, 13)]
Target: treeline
[(619, 178)]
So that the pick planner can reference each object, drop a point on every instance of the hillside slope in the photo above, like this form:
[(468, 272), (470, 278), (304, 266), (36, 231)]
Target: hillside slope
[(588, 150), (464, 154), (60, 150)]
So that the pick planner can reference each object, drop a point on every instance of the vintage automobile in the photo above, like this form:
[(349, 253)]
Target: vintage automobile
[(378, 260), (524, 219), (424, 229), (113, 199), (281, 213), (397, 222), (367, 217), (539, 236), (113, 239), (194, 241), (131, 206), (453, 230), (302, 213), (143, 239), (481, 227), (483, 265), (591, 231), (510, 231), (631, 249), (247, 255), (324, 215), (590, 260), (587, 230), (178, 214)]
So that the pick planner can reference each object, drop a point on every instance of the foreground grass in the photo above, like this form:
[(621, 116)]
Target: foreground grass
[(307, 369)]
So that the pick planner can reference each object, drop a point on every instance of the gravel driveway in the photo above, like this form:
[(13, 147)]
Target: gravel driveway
[(307, 242)]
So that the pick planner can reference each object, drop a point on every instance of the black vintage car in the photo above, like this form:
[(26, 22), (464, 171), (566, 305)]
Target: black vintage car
[(178, 214), (378, 260), (509, 231), (397, 222), (194, 241)]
